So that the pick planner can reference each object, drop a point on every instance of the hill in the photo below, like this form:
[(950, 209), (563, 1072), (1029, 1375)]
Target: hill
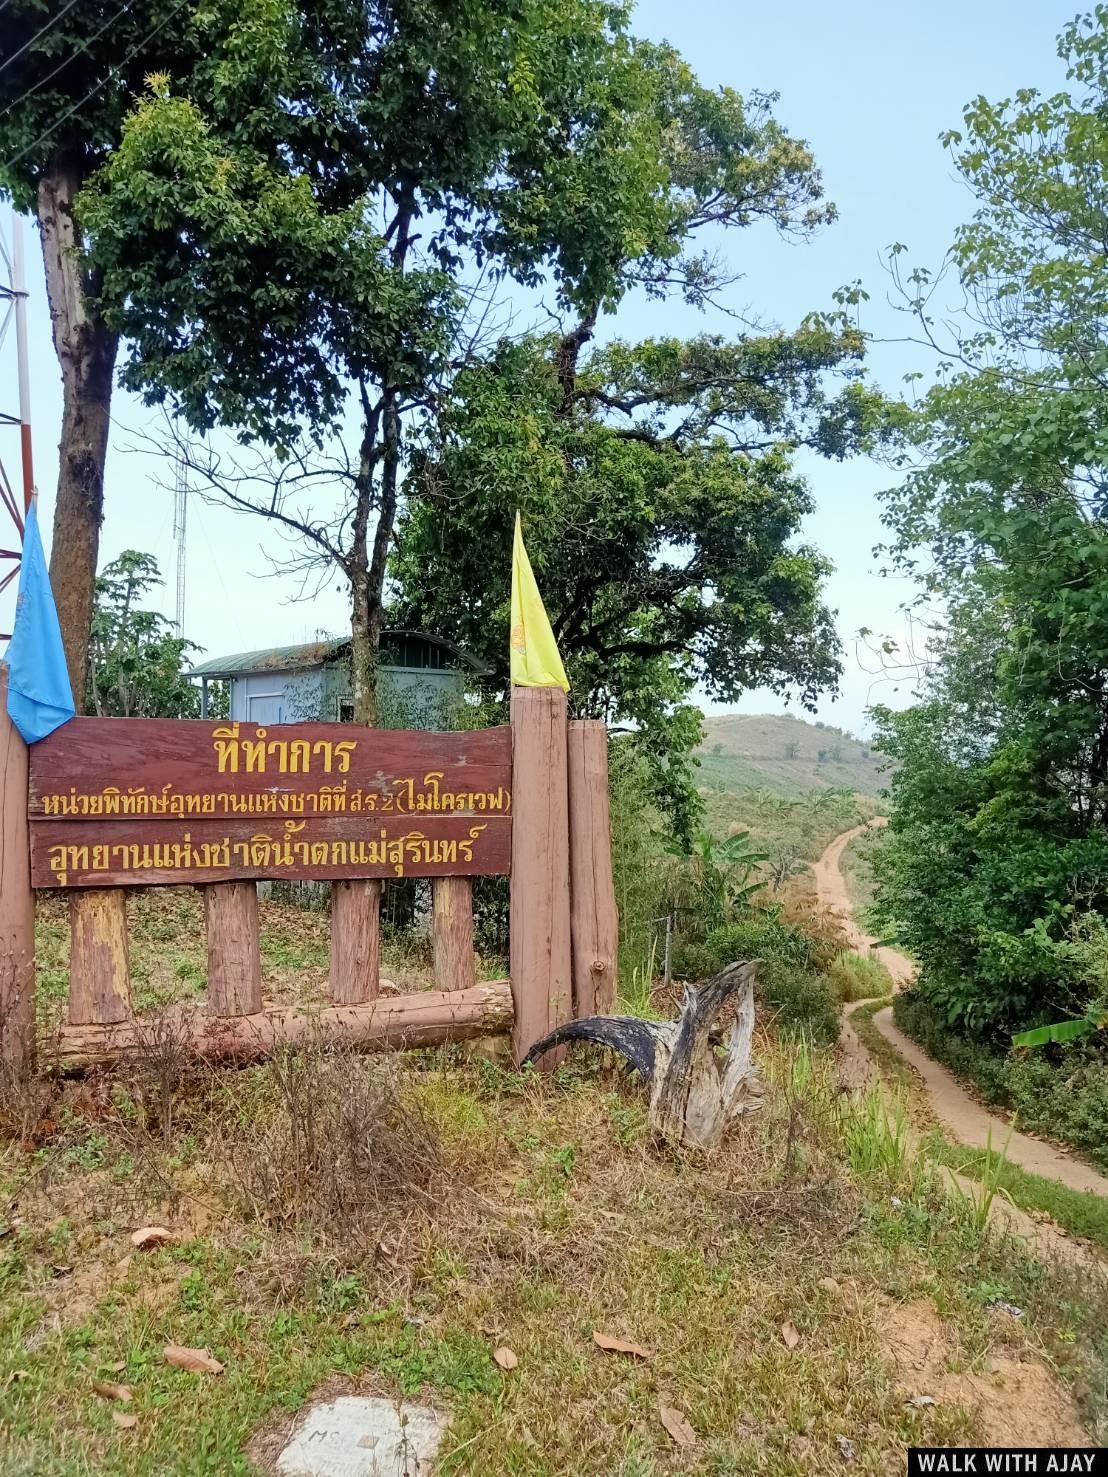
[(788, 756)]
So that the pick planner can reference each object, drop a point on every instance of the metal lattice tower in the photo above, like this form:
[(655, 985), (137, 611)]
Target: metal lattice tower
[(13, 311), (180, 530)]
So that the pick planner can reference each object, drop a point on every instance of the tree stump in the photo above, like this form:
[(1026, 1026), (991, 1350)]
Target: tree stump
[(694, 1092)]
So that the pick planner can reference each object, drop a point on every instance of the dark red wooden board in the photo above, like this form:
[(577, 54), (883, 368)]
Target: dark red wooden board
[(122, 782), (59, 859)]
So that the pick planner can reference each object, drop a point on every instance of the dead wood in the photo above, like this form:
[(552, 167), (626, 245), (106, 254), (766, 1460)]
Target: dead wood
[(695, 1091)]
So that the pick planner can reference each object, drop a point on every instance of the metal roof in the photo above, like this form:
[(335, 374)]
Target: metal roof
[(318, 654)]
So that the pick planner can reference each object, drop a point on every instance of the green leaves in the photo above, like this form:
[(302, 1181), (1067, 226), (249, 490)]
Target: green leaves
[(1059, 1032), (136, 656), (663, 518)]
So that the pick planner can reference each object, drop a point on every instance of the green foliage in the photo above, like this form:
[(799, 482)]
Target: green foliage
[(667, 554), (998, 846), (80, 60), (301, 222), (638, 862), (715, 879), (799, 1004), (1056, 1034), (136, 659), (792, 984), (1060, 1091), (858, 977), (790, 830)]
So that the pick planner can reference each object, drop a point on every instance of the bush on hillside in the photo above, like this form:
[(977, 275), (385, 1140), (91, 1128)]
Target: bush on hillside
[(792, 985), (799, 1004)]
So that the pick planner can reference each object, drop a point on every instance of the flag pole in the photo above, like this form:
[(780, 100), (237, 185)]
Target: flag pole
[(539, 916), (17, 901)]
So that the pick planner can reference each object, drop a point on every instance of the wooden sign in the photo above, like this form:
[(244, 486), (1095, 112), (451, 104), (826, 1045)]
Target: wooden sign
[(136, 801)]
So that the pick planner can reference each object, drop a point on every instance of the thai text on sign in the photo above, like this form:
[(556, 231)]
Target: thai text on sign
[(133, 801)]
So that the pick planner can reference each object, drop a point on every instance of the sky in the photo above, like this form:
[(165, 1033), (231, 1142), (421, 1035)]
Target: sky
[(870, 86)]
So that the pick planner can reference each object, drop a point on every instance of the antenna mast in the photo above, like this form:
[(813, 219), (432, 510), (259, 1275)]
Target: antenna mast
[(13, 308), (180, 515)]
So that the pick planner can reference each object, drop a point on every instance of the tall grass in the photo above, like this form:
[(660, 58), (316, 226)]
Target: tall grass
[(858, 976)]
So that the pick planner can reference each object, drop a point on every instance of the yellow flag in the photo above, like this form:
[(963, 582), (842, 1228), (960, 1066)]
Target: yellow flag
[(535, 659)]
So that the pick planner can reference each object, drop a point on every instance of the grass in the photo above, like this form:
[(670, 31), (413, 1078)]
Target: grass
[(892, 1064), (1080, 1213), (858, 976), (857, 873), (168, 962), (517, 1211), (348, 1224)]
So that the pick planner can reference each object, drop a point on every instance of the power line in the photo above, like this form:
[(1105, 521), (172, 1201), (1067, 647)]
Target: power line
[(134, 51), (50, 24), (84, 46)]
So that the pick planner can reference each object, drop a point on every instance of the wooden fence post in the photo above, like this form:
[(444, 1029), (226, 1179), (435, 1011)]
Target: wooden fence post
[(99, 975), (541, 967), (234, 960), (594, 918), (355, 941), (452, 933), (17, 899)]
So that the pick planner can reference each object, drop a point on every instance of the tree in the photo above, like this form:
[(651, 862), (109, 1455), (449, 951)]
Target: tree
[(997, 860), (267, 74), (662, 514), (136, 656), (534, 140)]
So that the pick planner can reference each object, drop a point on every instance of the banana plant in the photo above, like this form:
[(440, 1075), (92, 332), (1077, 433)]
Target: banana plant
[(1062, 1031)]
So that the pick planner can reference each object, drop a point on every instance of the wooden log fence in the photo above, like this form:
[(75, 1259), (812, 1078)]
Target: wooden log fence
[(531, 801)]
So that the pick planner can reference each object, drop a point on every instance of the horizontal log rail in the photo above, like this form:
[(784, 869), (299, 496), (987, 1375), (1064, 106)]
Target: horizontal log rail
[(388, 1023)]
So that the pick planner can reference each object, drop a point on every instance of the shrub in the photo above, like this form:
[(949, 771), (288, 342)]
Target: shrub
[(791, 983), (801, 1004), (1061, 1091)]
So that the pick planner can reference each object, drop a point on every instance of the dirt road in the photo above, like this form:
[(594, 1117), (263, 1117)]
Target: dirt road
[(964, 1120)]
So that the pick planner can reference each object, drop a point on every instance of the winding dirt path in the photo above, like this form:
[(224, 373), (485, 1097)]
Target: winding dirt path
[(964, 1120)]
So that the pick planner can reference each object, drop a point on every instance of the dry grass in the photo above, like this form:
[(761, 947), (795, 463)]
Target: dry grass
[(385, 1226)]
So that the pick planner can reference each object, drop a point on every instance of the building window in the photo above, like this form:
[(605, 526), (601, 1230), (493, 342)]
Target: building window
[(346, 711)]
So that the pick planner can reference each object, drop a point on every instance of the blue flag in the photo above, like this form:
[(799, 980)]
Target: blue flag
[(40, 698)]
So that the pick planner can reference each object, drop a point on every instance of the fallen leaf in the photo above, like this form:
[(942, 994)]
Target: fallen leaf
[(829, 1285), (505, 1357), (124, 1421), (791, 1334), (196, 1361), (677, 1426), (846, 1448), (119, 1365), (148, 1237), (611, 1345), (108, 1390)]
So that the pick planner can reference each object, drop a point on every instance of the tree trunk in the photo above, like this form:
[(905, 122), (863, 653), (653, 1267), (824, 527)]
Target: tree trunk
[(86, 350), (363, 651), (367, 572)]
